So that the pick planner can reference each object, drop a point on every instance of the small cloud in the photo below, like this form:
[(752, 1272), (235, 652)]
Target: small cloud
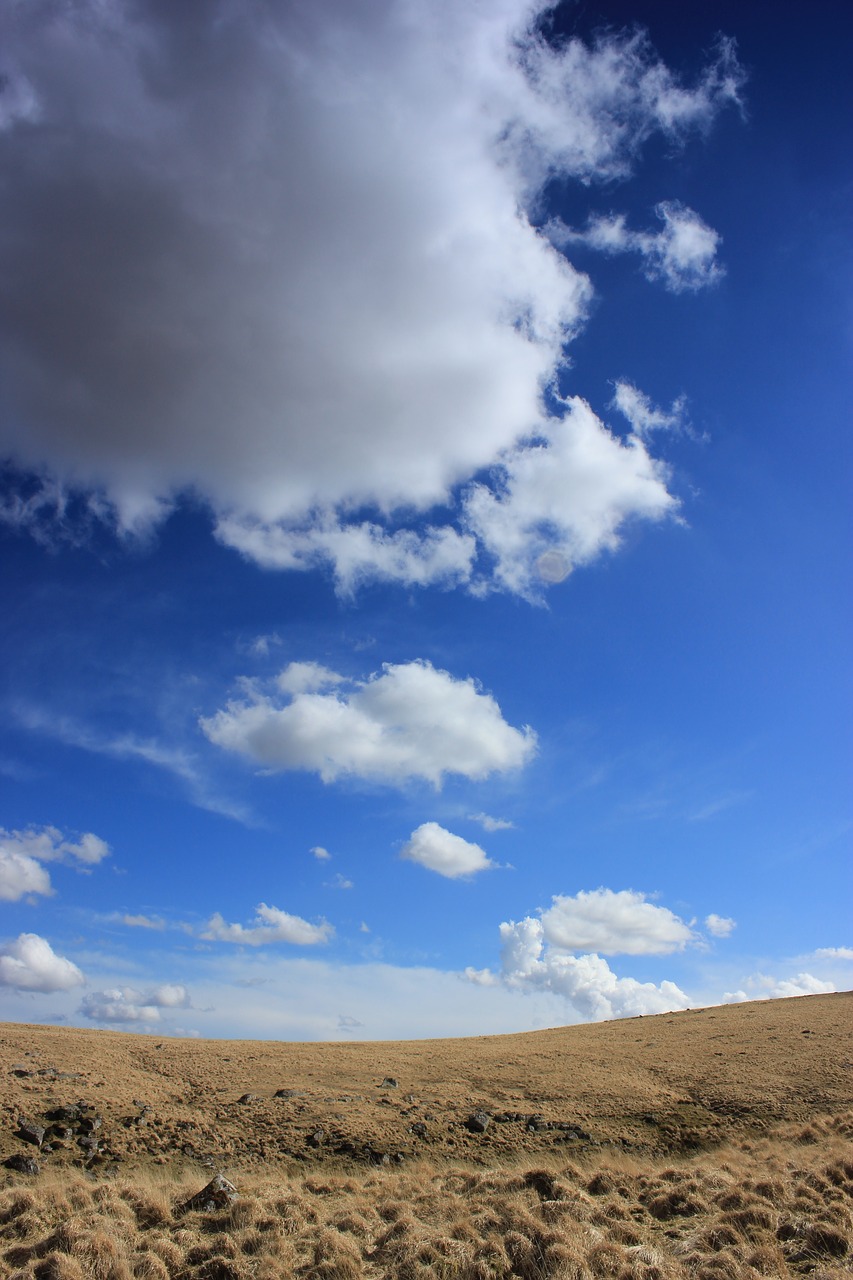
[(433, 847), (144, 922), (261, 645), (363, 927), (30, 964), (490, 824), (339, 882), (321, 854), (270, 925), (833, 953), (719, 926), (129, 1005), (346, 1023)]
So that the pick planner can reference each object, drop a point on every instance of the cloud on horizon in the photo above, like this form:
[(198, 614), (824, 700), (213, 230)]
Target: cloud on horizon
[(185, 187)]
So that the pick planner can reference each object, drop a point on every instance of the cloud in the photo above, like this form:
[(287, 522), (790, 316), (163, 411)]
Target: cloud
[(834, 953), (615, 923), (490, 824), (530, 963), (129, 1005), (339, 882), (410, 721), (321, 854), (202, 203), (433, 847), (30, 964), (22, 854), (760, 986), (143, 922), (270, 925), (562, 500), (682, 255), (719, 926)]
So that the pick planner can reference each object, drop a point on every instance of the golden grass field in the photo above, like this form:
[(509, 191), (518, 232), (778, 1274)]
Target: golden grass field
[(711, 1144)]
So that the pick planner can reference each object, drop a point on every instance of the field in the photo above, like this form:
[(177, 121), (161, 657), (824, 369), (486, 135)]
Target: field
[(713, 1143)]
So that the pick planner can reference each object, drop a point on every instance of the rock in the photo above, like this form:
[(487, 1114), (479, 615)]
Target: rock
[(316, 1138), (218, 1194), (390, 1083), (22, 1164), (288, 1093), (418, 1129), (536, 1123), (478, 1122), (248, 1097), (29, 1132)]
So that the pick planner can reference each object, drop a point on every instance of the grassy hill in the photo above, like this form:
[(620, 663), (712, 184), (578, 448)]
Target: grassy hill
[(710, 1143)]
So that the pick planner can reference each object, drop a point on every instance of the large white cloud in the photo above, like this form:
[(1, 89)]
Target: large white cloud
[(286, 257), (615, 923), (761, 986), (437, 849), (409, 721), (22, 854), (29, 963), (595, 992), (270, 925)]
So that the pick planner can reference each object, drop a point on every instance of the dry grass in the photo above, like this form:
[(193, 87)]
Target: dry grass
[(781, 1206), (713, 1145)]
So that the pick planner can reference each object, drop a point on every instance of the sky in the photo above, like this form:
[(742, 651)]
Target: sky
[(425, 549)]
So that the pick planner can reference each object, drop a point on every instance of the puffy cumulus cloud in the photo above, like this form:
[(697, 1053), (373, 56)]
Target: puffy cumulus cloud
[(285, 257), (431, 846), (129, 1005), (720, 926), (760, 986), (409, 721), (681, 255), (615, 923), (270, 925), (22, 854), (30, 964), (563, 499), (834, 953), (530, 963), (321, 854)]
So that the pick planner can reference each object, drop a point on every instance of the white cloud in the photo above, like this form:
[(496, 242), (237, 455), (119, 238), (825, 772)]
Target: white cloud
[(22, 854), (760, 986), (490, 824), (643, 416), (144, 922), (21, 876), (410, 721), (720, 926), (615, 923), (270, 925), (321, 854), (563, 500), (339, 882), (201, 206), (127, 1004), (834, 953), (30, 964), (431, 846), (530, 964), (682, 255)]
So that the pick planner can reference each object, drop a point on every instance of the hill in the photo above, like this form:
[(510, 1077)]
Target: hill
[(639, 1135)]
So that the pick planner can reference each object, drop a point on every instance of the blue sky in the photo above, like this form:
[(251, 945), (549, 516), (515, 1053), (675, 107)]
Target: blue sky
[(424, 520)]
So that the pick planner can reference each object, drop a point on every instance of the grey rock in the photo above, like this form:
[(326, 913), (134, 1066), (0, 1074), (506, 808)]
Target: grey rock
[(288, 1093), (29, 1132), (390, 1083), (316, 1138), (218, 1194), (23, 1164), (248, 1097), (478, 1122), (418, 1129)]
